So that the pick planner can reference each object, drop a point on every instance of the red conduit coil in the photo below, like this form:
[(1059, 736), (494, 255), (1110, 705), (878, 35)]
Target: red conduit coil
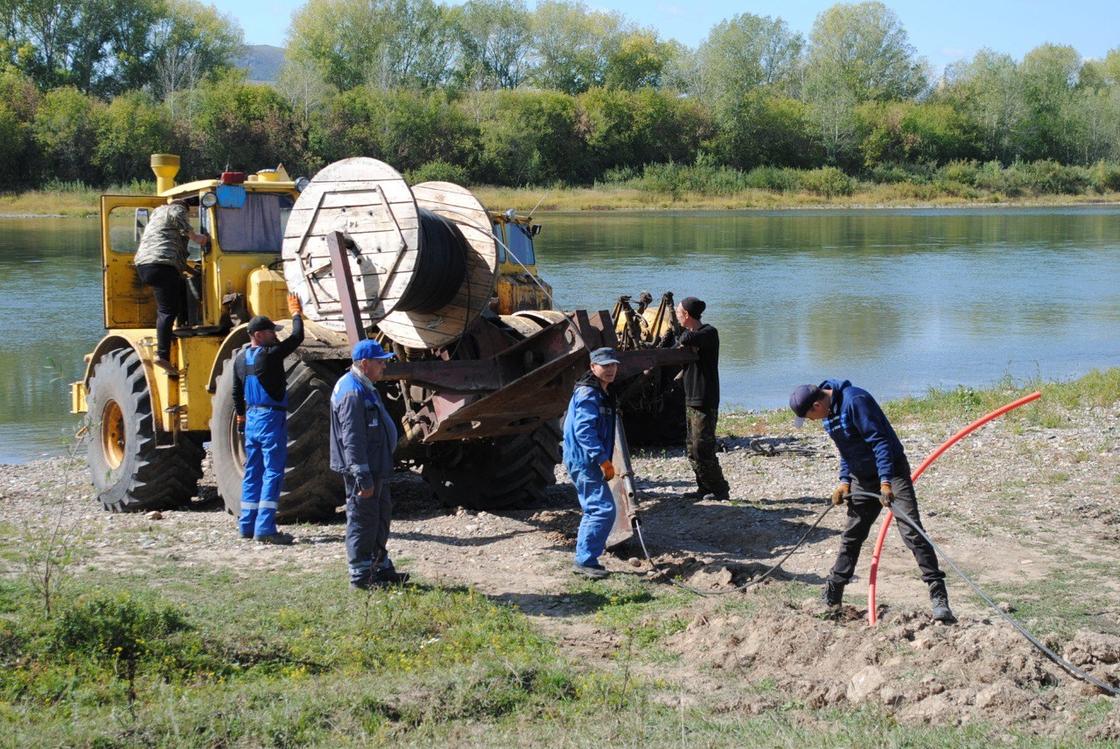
[(872, 614)]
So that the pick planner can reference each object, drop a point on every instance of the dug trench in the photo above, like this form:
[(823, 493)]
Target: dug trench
[(1028, 510)]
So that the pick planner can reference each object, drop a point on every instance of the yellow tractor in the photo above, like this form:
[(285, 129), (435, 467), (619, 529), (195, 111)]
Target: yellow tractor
[(485, 365)]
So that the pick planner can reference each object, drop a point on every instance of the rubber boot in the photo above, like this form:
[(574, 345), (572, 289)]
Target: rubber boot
[(939, 600), (832, 594)]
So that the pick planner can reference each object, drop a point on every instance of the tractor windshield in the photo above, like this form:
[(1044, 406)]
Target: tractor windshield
[(257, 226), (521, 244)]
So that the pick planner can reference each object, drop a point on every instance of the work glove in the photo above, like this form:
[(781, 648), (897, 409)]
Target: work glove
[(886, 494), (241, 424), (840, 494), (608, 469), (295, 307)]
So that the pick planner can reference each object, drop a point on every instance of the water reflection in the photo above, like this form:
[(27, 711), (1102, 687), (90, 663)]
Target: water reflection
[(896, 300)]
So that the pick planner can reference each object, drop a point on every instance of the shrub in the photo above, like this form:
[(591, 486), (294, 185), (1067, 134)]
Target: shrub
[(438, 171), (828, 181)]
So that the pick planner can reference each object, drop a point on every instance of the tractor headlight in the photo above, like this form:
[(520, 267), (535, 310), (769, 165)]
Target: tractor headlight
[(302, 183), (209, 200)]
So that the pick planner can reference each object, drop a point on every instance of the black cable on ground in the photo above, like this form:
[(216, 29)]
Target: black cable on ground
[(1068, 667), (737, 588)]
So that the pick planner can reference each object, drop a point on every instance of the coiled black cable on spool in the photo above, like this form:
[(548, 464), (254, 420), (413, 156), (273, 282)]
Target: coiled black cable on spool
[(441, 265)]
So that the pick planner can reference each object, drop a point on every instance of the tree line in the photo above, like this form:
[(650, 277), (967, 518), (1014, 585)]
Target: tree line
[(491, 92)]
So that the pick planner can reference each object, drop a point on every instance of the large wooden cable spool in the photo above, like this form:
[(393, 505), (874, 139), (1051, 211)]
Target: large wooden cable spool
[(419, 329), (423, 261)]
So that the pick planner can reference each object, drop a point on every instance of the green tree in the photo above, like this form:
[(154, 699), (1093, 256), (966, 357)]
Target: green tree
[(633, 128), (406, 129), (132, 127), (530, 138), (384, 43), (864, 50), (190, 42), (15, 143), (64, 130), (637, 61), (494, 41), (108, 46), (243, 126), (1048, 76), (572, 45), (744, 53), (913, 133), (763, 129), (987, 92)]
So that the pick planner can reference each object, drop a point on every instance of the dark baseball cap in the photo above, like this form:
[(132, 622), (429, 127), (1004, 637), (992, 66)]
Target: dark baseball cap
[(802, 399), (260, 322), (604, 356)]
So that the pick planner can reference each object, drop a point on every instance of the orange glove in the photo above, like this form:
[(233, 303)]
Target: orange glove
[(886, 494), (608, 469), (241, 424), (295, 307), (840, 494)]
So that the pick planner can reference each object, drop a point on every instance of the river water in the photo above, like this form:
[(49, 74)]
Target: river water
[(898, 301)]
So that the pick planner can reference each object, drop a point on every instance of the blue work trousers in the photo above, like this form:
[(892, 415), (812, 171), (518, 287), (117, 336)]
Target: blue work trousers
[(598, 513), (266, 450), (367, 528)]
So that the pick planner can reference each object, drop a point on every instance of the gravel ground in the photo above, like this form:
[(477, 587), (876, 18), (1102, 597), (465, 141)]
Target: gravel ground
[(1014, 505)]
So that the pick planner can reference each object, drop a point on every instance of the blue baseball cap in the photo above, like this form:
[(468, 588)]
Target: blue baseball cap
[(369, 349), (604, 356)]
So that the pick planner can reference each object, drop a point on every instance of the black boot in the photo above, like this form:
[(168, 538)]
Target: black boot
[(832, 594), (939, 599)]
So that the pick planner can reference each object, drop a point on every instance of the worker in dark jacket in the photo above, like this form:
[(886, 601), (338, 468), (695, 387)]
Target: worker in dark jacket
[(363, 440), (260, 398), (701, 389), (588, 448), (871, 458)]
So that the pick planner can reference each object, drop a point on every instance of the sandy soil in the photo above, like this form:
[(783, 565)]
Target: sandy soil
[(1019, 507)]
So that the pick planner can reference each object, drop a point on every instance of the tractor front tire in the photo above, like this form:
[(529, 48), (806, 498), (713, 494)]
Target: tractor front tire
[(502, 473), (311, 490), (129, 472)]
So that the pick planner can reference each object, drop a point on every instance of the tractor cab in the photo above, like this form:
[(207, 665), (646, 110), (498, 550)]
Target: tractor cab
[(234, 276), (519, 286)]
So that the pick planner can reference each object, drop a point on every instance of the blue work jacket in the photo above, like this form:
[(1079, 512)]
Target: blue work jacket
[(589, 425), (866, 440), (363, 435)]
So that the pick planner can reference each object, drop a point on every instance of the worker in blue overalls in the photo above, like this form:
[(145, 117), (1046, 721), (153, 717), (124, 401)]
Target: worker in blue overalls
[(260, 397), (588, 449)]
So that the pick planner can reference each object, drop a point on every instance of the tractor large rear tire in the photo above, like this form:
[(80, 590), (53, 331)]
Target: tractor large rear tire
[(129, 472), (311, 490), (496, 474)]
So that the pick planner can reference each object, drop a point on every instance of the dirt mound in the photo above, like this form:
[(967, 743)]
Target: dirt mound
[(918, 670)]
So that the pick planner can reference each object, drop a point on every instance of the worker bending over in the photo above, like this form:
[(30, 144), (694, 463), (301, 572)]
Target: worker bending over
[(871, 457)]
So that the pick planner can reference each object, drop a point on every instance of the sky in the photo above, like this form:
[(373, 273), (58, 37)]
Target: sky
[(942, 31)]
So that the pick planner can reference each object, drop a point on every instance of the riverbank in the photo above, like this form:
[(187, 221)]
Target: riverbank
[(83, 202), (497, 644)]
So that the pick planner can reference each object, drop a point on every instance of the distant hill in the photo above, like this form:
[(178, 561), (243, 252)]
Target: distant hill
[(262, 61)]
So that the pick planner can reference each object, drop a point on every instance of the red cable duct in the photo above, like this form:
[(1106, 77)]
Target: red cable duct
[(872, 615)]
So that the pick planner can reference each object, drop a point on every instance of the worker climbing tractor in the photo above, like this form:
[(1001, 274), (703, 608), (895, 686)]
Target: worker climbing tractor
[(871, 456)]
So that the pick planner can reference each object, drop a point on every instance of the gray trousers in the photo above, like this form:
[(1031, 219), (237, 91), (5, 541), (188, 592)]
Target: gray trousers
[(862, 513), (367, 527)]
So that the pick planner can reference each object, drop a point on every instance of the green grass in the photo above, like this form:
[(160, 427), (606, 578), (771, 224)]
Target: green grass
[(1063, 602), (1099, 388), (177, 658)]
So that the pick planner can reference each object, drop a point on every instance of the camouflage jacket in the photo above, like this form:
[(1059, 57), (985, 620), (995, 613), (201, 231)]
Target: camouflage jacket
[(165, 238)]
